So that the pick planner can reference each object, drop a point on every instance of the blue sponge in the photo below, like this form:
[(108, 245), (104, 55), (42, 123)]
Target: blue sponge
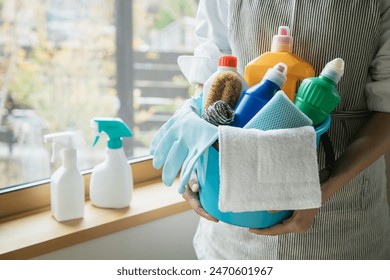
[(279, 113)]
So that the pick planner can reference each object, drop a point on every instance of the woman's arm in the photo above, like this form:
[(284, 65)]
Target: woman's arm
[(372, 142), (212, 37)]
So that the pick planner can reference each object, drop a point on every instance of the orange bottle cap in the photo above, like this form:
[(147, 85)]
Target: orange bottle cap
[(228, 61)]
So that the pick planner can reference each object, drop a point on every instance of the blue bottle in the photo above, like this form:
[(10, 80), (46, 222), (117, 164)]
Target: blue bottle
[(255, 97)]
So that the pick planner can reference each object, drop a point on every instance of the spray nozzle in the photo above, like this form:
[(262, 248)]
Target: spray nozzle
[(115, 129), (63, 140), (282, 42)]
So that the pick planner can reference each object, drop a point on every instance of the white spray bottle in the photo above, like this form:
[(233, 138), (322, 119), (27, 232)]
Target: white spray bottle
[(111, 183), (67, 194)]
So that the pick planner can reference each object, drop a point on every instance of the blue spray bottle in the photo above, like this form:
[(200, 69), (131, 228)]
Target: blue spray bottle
[(255, 97), (111, 183)]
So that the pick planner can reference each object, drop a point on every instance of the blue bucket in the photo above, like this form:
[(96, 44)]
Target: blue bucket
[(209, 193)]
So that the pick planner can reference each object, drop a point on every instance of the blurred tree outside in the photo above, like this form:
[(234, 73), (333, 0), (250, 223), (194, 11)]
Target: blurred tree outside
[(57, 71), (67, 84)]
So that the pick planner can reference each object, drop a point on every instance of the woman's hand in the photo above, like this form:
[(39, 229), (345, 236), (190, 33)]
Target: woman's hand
[(299, 222), (192, 197)]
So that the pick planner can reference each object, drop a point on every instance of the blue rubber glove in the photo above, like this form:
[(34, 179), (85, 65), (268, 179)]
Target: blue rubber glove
[(180, 142)]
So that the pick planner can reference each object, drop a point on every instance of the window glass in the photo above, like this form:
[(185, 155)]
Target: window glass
[(59, 69)]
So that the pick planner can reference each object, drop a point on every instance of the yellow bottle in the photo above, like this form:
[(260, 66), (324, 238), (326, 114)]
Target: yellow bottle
[(281, 51)]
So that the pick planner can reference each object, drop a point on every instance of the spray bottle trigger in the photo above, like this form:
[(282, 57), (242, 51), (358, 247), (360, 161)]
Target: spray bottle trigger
[(96, 140), (95, 127), (53, 152)]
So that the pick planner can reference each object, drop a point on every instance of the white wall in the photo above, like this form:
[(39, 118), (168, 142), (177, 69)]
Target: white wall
[(166, 238)]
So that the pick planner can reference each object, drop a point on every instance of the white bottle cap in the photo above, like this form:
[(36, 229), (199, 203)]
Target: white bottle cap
[(61, 140), (334, 70), (277, 74), (283, 42)]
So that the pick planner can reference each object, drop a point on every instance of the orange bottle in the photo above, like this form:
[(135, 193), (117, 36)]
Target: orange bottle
[(281, 51)]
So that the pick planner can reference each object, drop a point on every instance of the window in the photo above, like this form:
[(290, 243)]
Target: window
[(64, 62)]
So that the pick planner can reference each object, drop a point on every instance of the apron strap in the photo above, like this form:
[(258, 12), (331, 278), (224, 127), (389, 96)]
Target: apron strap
[(327, 171), (347, 115)]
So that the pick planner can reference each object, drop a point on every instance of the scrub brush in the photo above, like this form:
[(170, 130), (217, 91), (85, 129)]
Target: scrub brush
[(222, 98), (227, 87)]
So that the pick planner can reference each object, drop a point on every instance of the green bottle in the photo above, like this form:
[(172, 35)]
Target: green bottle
[(317, 97)]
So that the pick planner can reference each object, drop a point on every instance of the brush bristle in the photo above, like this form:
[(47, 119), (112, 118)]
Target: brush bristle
[(226, 87)]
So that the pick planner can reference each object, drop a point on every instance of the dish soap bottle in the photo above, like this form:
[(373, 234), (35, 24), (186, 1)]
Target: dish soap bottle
[(67, 194), (317, 97), (281, 51), (111, 183), (255, 97)]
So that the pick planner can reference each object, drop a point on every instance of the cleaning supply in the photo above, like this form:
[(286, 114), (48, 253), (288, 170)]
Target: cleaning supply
[(223, 96), (219, 113), (258, 95), (225, 63), (317, 97), (180, 142), (281, 51), (111, 183), (226, 86), (66, 184), (277, 176), (278, 113)]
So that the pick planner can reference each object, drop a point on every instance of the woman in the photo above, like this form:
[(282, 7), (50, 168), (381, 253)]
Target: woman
[(353, 222)]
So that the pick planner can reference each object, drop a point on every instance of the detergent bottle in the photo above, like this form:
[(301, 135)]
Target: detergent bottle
[(225, 63), (67, 193), (281, 51), (111, 183), (317, 97), (255, 97)]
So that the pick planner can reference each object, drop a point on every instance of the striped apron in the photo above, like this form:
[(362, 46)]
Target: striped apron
[(354, 223)]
